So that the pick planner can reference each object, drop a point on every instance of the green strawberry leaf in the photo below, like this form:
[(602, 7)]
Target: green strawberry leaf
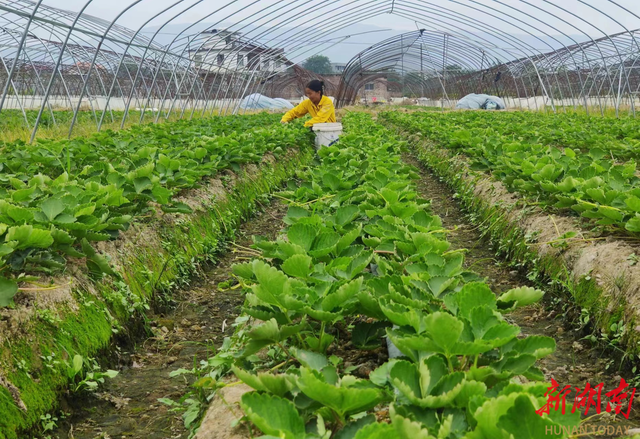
[(8, 289), (344, 399), (523, 296), (376, 431), (272, 332), (346, 214), (27, 236), (52, 208), (367, 336), (343, 295), (279, 385), (298, 266), (302, 235), (273, 415), (522, 421)]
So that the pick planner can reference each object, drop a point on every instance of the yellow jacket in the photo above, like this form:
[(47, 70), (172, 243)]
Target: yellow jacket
[(324, 112)]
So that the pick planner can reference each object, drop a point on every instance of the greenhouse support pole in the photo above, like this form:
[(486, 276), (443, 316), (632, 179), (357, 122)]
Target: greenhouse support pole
[(185, 49), (24, 113), (37, 84), (402, 63), (124, 56), (237, 106), (45, 101), (93, 64), (619, 97), (444, 71), (544, 89), (421, 70), (482, 70), (23, 39)]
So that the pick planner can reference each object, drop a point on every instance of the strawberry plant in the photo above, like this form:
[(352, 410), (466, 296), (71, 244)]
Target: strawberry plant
[(57, 197), (361, 249), (593, 182), (617, 136)]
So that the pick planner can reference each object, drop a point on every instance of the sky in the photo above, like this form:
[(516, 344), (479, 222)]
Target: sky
[(580, 19)]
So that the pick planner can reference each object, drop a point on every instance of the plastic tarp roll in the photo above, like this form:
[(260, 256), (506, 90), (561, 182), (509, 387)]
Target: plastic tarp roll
[(477, 101), (284, 102), (257, 101)]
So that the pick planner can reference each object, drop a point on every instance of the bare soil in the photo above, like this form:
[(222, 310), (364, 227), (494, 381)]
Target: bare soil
[(223, 409), (573, 363), (127, 406), (608, 257)]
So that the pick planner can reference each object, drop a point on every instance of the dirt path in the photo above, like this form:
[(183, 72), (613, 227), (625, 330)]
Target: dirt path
[(572, 363), (128, 407)]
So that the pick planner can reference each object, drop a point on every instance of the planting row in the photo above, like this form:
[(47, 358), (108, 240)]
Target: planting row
[(617, 136), (120, 148), (362, 257), (590, 183), (40, 341), (56, 197), (15, 119)]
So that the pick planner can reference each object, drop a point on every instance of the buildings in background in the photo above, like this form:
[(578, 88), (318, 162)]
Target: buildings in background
[(216, 54), (221, 51), (338, 67), (379, 90)]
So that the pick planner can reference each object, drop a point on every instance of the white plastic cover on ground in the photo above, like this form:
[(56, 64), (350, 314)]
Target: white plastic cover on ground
[(256, 101), (477, 101)]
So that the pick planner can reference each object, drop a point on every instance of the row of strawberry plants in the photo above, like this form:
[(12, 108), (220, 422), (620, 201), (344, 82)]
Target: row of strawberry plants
[(589, 183), (127, 150), (171, 251), (58, 197), (617, 136), (15, 119), (363, 257)]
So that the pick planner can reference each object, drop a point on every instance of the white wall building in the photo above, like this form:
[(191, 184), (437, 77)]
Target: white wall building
[(224, 51), (338, 67)]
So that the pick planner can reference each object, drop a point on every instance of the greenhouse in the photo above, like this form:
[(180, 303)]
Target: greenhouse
[(329, 219)]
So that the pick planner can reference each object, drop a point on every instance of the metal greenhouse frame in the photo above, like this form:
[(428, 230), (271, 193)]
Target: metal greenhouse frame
[(532, 53)]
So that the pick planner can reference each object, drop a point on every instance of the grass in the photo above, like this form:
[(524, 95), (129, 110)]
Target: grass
[(623, 111), (13, 127), (549, 271), (183, 244)]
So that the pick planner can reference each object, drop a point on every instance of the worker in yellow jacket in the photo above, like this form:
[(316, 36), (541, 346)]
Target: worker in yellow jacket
[(318, 105)]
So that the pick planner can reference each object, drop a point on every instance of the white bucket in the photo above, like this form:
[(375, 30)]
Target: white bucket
[(326, 133)]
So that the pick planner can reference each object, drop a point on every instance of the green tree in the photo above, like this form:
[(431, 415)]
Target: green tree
[(318, 64)]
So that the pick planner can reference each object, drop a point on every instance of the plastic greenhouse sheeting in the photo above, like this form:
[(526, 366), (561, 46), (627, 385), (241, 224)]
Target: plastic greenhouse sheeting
[(480, 101), (257, 101)]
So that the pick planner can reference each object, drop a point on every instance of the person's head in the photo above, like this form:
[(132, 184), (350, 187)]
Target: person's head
[(314, 91)]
